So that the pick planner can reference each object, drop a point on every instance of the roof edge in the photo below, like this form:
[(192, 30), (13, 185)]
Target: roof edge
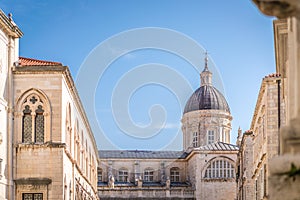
[(10, 25)]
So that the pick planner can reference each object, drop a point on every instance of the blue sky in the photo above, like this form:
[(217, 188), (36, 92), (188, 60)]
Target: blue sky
[(238, 38)]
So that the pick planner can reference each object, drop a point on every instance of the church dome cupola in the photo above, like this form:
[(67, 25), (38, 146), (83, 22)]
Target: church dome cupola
[(206, 118), (206, 97)]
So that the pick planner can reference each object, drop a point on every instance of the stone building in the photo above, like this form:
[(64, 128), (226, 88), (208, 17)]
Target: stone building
[(204, 166), (49, 151), (277, 177), (9, 45), (259, 145)]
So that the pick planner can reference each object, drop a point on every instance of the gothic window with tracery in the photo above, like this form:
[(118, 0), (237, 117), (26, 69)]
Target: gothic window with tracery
[(220, 168), (39, 125), (33, 121), (27, 125)]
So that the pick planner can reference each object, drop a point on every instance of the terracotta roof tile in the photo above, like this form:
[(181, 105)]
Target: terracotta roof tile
[(273, 75), (34, 62)]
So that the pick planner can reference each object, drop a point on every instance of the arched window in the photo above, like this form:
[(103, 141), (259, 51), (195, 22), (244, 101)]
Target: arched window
[(68, 127), (123, 175), (33, 120), (174, 174), (76, 141), (220, 168), (148, 175)]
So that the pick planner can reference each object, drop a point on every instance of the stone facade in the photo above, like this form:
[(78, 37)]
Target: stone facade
[(9, 45), (48, 150), (178, 175), (281, 180), (203, 121), (261, 144)]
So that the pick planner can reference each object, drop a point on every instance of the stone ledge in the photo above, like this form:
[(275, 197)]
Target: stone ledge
[(41, 145), (33, 181)]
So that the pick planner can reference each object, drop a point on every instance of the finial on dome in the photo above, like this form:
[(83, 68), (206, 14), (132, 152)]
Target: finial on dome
[(206, 61), (206, 75)]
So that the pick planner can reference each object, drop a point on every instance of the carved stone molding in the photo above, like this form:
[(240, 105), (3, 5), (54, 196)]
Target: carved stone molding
[(279, 8), (290, 137)]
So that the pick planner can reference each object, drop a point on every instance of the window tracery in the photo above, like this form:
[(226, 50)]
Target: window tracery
[(33, 120), (220, 168)]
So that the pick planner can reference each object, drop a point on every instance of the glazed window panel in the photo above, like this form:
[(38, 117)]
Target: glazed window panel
[(174, 174), (123, 175), (220, 168), (39, 125), (148, 175), (210, 136), (33, 121), (99, 175), (27, 125), (32, 196), (195, 139)]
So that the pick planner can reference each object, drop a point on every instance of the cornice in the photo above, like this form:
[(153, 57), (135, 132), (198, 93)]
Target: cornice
[(73, 90), (279, 8), (8, 26), (263, 86)]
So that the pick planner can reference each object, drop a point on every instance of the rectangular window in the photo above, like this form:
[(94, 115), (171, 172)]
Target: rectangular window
[(175, 176), (0, 168), (99, 175), (210, 136), (32, 196), (263, 126), (195, 139), (123, 176), (265, 180), (148, 176)]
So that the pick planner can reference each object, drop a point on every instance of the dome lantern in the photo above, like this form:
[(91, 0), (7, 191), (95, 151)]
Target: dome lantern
[(206, 97), (206, 75)]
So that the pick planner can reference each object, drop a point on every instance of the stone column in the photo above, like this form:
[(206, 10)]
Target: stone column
[(284, 177)]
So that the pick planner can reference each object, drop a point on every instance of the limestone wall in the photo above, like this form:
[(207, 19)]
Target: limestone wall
[(261, 145), (206, 188), (40, 163), (9, 53), (203, 120), (65, 125)]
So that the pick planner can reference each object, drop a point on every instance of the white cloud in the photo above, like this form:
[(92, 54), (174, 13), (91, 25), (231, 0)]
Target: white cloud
[(169, 126)]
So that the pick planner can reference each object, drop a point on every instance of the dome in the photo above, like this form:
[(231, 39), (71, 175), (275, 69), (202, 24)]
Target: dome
[(206, 97)]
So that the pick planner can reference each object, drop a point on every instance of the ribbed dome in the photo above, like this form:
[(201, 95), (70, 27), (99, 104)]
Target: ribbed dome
[(206, 97)]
